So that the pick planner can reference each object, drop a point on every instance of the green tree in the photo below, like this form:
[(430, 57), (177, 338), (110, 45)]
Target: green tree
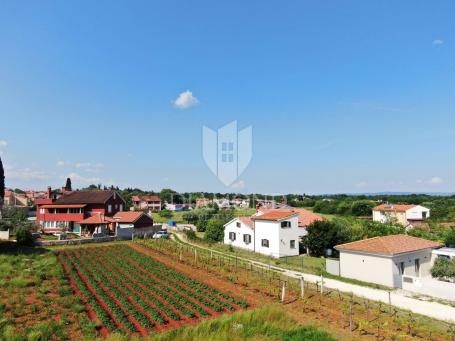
[(24, 236), (165, 214), (376, 229), (450, 237), (214, 232), (362, 208), (68, 184), (443, 268), (2, 186), (324, 235)]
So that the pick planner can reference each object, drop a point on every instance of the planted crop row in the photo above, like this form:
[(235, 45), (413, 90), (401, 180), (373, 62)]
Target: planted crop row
[(115, 285), (191, 282), (136, 278), (114, 308), (127, 281), (105, 319), (170, 278)]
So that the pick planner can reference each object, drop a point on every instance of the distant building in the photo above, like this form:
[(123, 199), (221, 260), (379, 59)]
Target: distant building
[(406, 215), (13, 199), (385, 260), (178, 207), (146, 202), (202, 202), (223, 203), (78, 211)]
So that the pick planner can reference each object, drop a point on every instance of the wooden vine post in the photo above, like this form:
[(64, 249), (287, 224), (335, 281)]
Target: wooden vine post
[(283, 291), (302, 287)]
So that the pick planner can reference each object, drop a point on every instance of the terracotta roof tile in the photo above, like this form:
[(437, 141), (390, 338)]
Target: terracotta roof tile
[(389, 245), (393, 208), (96, 219), (127, 216), (305, 217), (275, 215), (247, 221)]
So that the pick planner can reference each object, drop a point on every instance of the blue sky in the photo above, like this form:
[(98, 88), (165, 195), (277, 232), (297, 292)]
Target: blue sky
[(349, 96)]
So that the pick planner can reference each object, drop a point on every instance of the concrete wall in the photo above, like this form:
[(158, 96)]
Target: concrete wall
[(4, 235), (415, 213), (429, 286), (382, 269), (368, 268), (75, 241), (332, 266), (126, 231)]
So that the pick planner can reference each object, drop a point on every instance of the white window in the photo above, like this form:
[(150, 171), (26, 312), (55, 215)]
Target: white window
[(42, 210), (285, 224), (292, 244), (109, 208), (232, 236), (265, 242), (247, 238), (121, 207)]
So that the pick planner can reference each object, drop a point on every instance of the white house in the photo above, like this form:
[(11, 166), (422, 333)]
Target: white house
[(275, 233), (406, 215), (385, 260)]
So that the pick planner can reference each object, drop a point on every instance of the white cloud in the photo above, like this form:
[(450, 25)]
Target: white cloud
[(436, 180), (79, 178), (185, 100), (438, 42), (89, 167), (3, 143), (239, 184), (25, 174), (61, 163)]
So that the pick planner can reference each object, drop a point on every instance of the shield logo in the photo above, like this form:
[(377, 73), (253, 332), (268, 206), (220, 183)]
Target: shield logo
[(227, 152)]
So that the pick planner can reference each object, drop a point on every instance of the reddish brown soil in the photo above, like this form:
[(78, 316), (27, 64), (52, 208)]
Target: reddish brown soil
[(141, 330), (170, 323), (90, 313)]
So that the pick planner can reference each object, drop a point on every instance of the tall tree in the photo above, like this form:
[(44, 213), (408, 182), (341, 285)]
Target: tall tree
[(68, 184), (2, 186)]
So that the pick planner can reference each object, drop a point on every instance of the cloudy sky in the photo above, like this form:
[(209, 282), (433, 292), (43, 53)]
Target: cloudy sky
[(352, 96)]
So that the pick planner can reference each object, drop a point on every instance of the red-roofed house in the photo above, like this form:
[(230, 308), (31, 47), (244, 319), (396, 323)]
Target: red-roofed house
[(274, 233), (146, 202), (385, 260), (133, 222), (406, 215), (78, 211)]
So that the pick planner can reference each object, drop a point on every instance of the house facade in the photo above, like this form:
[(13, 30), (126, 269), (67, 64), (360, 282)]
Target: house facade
[(146, 202), (131, 223), (275, 234), (406, 215), (385, 260), (70, 210)]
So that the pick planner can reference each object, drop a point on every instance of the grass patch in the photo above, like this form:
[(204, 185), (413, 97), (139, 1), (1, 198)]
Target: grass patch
[(266, 323)]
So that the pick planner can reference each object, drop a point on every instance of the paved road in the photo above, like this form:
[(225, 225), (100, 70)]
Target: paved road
[(398, 299)]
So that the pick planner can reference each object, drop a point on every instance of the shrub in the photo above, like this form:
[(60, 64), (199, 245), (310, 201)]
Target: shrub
[(190, 234), (165, 214), (214, 231), (443, 268), (450, 237), (24, 236), (324, 235), (362, 208)]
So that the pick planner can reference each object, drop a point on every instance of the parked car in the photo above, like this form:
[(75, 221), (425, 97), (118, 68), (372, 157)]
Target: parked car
[(161, 234)]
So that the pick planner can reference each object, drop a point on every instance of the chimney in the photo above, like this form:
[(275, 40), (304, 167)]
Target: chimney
[(49, 192)]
